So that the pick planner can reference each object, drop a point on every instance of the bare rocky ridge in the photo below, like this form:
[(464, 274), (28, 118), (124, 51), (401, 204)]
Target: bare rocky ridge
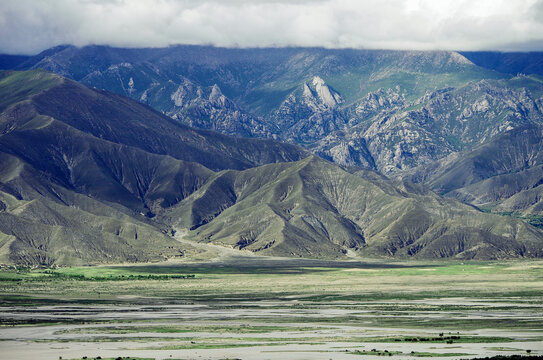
[(209, 108)]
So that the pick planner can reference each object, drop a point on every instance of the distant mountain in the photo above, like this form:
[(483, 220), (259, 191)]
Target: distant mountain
[(508, 62), (309, 112), (387, 110), (11, 61), (448, 121)]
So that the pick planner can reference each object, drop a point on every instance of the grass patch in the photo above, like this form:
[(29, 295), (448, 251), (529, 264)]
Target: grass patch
[(112, 358), (503, 348), (218, 346), (172, 329), (532, 219), (375, 352), (445, 339), (121, 277), (430, 354)]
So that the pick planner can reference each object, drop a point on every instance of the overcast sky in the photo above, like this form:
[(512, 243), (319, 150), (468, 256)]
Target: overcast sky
[(29, 26)]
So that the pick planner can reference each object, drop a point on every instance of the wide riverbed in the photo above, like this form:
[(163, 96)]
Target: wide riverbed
[(275, 330), (267, 308)]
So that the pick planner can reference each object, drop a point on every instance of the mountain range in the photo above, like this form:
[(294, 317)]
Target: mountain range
[(390, 111), (90, 176)]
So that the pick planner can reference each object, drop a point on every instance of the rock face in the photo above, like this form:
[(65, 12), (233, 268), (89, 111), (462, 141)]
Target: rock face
[(89, 176), (327, 97), (208, 108), (447, 122), (309, 113)]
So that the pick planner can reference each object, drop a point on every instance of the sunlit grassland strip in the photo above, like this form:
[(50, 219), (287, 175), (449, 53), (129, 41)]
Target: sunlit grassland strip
[(192, 282)]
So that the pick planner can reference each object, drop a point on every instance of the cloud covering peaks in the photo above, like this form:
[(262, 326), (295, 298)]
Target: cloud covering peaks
[(29, 26)]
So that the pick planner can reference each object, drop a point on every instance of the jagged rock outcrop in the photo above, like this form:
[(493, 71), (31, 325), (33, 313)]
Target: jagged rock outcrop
[(309, 113), (209, 108)]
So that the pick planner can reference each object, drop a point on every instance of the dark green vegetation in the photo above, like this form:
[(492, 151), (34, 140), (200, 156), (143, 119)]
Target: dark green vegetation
[(375, 352), (113, 358), (119, 277), (416, 354)]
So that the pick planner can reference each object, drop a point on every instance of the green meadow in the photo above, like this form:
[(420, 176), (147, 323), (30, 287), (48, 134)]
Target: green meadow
[(276, 279)]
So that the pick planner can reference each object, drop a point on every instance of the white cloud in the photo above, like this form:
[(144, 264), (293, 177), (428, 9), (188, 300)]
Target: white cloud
[(28, 26)]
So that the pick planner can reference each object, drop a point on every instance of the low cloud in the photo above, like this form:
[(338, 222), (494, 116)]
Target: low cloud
[(29, 26)]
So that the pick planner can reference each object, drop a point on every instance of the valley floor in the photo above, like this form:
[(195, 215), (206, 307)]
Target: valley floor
[(269, 308)]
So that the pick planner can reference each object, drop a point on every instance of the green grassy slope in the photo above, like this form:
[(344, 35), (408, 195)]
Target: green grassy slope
[(44, 223), (17, 86), (83, 172), (315, 209)]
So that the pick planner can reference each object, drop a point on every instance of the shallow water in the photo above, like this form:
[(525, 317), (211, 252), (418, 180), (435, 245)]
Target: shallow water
[(329, 329)]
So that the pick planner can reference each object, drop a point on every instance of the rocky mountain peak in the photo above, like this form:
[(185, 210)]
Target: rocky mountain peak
[(380, 100), (318, 81), (327, 96), (183, 94), (216, 93)]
